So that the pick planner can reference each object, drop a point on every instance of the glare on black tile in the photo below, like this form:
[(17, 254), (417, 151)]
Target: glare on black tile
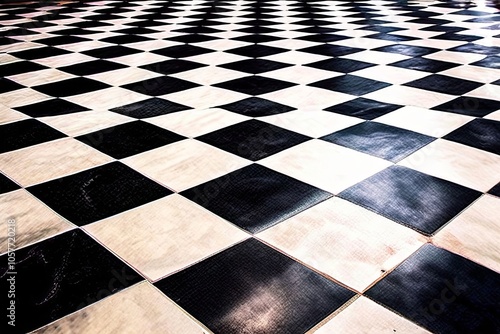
[(341, 65), (444, 84), (488, 62), (480, 133), (98, 193), (61, 275), (252, 288), (471, 106), (380, 140), (424, 64), (363, 108), (442, 292), (477, 48), (414, 199), (255, 197)]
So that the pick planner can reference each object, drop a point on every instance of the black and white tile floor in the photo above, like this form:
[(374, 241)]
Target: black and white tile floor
[(238, 166)]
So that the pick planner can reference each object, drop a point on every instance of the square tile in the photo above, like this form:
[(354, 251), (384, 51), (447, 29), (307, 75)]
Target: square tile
[(7, 185), (19, 67), (92, 67), (353, 320), (324, 165), (414, 199), (426, 121), (363, 108), (140, 308), (474, 233), (256, 107), (442, 292), (313, 123), (344, 241), (33, 220), (128, 139), (483, 134), (256, 50), (82, 270), (165, 236), (380, 140), (444, 84), (392, 74), (198, 162), (172, 66), (255, 66), (182, 51), (236, 197), (253, 139), (471, 106), (410, 96), (49, 160), (254, 85), (340, 65), (111, 52), (424, 64), (70, 87), (53, 107), (458, 163), (98, 193), (26, 133), (160, 86), (266, 289), (351, 84), (149, 108), (7, 85)]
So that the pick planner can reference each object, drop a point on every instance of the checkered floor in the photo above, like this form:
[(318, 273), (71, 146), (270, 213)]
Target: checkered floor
[(238, 166)]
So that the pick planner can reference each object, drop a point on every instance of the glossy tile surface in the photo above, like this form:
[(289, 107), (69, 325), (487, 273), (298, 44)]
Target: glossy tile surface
[(261, 284), (265, 163), (442, 292)]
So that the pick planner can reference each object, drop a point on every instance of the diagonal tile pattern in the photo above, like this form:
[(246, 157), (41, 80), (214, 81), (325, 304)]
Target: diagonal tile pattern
[(250, 166)]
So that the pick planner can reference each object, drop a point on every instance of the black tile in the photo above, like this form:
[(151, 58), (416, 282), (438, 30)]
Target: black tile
[(60, 40), (391, 37), (323, 38), (256, 38), (350, 84), (125, 39), (407, 50), (331, 50), (381, 140), (480, 133), (255, 51), (489, 62), (73, 86), (160, 86), (232, 290), (172, 66), (456, 37), (181, 51), (255, 197), (256, 107), (20, 67), (39, 53), (424, 64), (255, 66), (442, 292), (414, 199), (136, 31), (253, 139), (495, 190), (254, 85), (92, 67), (111, 52), (444, 84), (7, 85), (471, 106), (363, 108), (130, 138), (98, 193), (192, 38), (7, 185), (60, 275), (149, 108), (26, 133), (477, 48), (341, 65), (52, 107)]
